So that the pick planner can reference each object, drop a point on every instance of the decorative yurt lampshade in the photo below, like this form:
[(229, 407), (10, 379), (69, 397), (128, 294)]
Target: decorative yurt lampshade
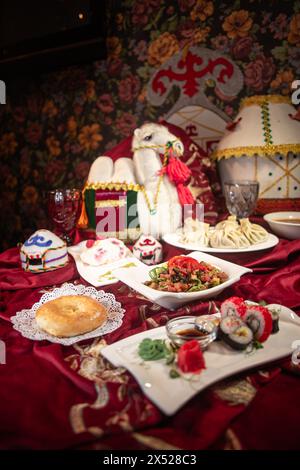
[(264, 144)]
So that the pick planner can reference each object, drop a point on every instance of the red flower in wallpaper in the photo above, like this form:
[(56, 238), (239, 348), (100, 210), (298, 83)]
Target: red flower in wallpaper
[(19, 114), (126, 124), (186, 5), (279, 26), (114, 67), (129, 88), (53, 172), (242, 47), (105, 103), (33, 133), (259, 72), (140, 13), (82, 170)]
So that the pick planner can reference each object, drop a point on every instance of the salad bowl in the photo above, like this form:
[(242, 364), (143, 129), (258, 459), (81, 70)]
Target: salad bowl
[(138, 275)]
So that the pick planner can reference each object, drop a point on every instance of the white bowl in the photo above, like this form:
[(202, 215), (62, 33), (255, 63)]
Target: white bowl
[(287, 229), (136, 276)]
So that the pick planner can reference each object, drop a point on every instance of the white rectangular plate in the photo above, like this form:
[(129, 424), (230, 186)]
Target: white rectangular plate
[(136, 276), (99, 276), (221, 361)]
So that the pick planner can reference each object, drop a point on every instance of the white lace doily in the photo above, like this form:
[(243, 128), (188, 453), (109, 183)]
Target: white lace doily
[(24, 321)]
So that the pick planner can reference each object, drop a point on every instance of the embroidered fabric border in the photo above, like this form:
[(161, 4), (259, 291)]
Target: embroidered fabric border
[(114, 186), (260, 150), (111, 203), (260, 99)]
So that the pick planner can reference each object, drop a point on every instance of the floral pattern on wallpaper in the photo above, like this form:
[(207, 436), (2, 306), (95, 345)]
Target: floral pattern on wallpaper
[(55, 125)]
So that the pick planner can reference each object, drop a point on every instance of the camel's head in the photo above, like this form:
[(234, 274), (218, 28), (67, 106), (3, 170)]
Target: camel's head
[(157, 137)]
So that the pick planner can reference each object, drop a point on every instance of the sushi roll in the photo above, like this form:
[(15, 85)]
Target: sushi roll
[(235, 333), (240, 338), (229, 324), (233, 306), (259, 319), (275, 321)]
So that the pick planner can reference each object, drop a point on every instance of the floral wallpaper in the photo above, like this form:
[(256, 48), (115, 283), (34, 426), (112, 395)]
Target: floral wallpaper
[(53, 126)]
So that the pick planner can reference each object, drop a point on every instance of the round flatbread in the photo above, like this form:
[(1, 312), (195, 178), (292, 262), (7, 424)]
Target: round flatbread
[(71, 315)]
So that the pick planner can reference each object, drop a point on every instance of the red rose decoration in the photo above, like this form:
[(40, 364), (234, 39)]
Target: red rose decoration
[(190, 357)]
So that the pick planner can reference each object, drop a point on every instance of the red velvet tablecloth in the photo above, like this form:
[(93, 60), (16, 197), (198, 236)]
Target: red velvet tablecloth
[(53, 396)]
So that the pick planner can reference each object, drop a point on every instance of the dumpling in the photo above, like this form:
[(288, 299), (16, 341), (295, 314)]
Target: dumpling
[(218, 239), (230, 222), (194, 231), (228, 238), (254, 232), (238, 238)]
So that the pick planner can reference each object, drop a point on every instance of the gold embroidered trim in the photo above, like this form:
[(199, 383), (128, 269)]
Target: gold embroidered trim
[(153, 442), (260, 99), (238, 392), (232, 441), (260, 150), (114, 186), (111, 203)]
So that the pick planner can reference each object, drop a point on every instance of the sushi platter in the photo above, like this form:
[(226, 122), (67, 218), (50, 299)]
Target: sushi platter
[(248, 337)]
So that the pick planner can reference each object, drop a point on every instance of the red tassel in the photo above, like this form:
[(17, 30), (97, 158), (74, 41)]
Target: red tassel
[(295, 116), (230, 126), (177, 171), (184, 195)]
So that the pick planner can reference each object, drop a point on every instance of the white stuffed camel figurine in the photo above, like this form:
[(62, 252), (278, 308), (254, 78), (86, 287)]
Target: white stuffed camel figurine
[(159, 204)]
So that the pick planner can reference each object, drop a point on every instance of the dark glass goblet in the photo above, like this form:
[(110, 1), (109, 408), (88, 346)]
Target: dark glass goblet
[(63, 206)]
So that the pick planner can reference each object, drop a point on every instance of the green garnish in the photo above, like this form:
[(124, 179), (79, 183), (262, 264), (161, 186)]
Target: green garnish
[(152, 349), (257, 345), (196, 287), (128, 265), (170, 356), (108, 273), (173, 374), (155, 272)]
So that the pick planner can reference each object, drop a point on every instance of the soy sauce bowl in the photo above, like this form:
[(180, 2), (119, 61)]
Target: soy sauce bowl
[(183, 329)]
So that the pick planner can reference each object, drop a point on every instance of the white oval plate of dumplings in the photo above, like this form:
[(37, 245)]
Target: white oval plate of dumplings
[(174, 239)]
